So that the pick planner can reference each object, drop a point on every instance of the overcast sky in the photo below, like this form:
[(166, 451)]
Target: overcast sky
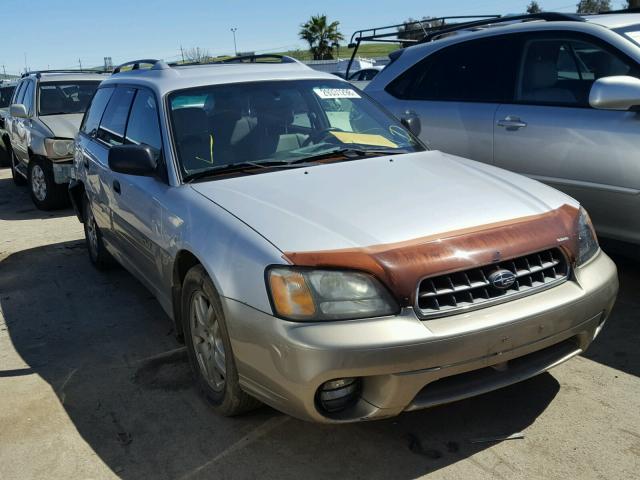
[(57, 34)]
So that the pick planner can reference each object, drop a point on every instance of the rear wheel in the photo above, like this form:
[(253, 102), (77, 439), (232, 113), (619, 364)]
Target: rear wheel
[(45, 193), (209, 347), (17, 178), (98, 254)]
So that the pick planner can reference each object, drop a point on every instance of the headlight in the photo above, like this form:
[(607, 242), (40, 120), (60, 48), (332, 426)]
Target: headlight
[(58, 148), (304, 294), (587, 240)]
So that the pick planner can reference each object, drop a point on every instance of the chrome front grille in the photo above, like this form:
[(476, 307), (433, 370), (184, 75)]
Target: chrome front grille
[(470, 289)]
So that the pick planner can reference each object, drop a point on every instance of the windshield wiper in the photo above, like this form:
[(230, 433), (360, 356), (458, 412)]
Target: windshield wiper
[(235, 167), (350, 153)]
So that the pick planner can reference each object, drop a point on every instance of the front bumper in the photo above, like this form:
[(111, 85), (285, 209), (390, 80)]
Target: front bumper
[(406, 363)]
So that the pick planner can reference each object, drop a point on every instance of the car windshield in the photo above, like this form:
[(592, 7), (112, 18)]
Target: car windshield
[(5, 96), (57, 98), (279, 122)]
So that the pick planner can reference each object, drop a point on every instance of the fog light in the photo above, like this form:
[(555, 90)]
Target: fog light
[(336, 395)]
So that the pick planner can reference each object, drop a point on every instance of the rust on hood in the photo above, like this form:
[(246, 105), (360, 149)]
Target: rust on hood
[(400, 266)]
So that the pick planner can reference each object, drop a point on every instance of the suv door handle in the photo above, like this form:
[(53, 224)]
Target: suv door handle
[(116, 186), (511, 122)]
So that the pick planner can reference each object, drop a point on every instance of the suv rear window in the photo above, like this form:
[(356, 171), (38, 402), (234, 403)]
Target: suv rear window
[(475, 71)]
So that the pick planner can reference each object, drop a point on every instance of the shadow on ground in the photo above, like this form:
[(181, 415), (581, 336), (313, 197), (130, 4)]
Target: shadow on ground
[(106, 348), (15, 204)]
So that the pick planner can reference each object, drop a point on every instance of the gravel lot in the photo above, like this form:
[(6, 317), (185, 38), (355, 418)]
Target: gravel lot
[(94, 385)]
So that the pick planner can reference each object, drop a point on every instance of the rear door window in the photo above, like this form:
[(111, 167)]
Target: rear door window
[(114, 120), (92, 118), (19, 95), (475, 71)]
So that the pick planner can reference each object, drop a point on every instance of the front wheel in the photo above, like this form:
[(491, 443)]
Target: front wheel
[(209, 347), (45, 193)]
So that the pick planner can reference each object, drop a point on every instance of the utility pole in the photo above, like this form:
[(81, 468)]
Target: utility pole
[(182, 53), (25, 63), (4, 71), (80, 62), (235, 46)]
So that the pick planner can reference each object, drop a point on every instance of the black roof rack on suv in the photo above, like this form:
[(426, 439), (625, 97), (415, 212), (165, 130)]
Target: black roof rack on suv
[(438, 26), (135, 64)]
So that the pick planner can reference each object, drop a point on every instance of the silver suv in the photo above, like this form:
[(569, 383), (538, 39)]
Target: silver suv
[(554, 97), (43, 119), (315, 256)]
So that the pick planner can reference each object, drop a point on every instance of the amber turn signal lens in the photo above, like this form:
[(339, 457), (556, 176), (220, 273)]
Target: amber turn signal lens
[(291, 295)]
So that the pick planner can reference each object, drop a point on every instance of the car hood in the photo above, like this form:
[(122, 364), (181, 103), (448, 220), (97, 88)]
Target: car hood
[(379, 200), (63, 126)]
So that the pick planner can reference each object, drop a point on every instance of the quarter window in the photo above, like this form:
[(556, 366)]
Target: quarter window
[(92, 118), (474, 71), (114, 120), (559, 71), (144, 127), (19, 95)]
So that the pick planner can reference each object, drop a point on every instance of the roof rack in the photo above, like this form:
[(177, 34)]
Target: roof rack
[(69, 70), (382, 34), (161, 65), (624, 10)]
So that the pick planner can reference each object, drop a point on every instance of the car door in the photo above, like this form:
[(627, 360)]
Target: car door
[(92, 163), (550, 133), (11, 121), (455, 92), (21, 131), (137, 200)]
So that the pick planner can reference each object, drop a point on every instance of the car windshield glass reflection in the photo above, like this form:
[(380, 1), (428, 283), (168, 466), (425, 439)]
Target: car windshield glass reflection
[(284, 122), (56, 98)]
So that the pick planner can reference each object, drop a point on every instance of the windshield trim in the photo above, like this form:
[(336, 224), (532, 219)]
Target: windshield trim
[(182, 174), (63, 82)]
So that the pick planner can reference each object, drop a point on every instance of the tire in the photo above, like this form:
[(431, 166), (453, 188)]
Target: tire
[(219, 385), (98, 254), (45, 193), (17, 178)]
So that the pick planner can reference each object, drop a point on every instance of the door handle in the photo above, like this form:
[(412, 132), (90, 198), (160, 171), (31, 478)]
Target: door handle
[(116, 186), (511, 122)]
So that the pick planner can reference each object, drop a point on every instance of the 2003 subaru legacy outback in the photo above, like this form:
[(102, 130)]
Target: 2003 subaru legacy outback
[(315, 256)]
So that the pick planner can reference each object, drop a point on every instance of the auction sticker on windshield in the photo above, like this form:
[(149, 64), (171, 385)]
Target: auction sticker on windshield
[(330, 93)]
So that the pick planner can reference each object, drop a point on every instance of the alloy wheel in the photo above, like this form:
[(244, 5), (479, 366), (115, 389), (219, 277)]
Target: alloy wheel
[(38, 183), (207, 341)]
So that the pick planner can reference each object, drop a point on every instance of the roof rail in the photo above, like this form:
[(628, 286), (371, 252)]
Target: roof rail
[(624, 10), (69, 70), (241, 59), (135, 65)]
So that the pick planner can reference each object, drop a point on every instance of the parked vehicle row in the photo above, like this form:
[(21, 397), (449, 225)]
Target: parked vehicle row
[(313, 253)]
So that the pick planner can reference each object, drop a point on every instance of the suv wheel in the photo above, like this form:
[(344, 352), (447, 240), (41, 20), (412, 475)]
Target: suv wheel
[(98, 254), (45, 193), (17, 178), (209, 347)]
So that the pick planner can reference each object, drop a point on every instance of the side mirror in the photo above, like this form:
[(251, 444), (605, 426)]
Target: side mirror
[(133, 160), (411, 121), (615, 93), (18, 110)]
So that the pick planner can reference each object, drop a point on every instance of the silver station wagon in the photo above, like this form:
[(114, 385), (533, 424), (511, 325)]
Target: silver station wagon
[(315, 256)]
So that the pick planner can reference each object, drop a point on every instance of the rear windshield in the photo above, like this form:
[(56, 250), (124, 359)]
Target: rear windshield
[(57, 98), (5, 96)]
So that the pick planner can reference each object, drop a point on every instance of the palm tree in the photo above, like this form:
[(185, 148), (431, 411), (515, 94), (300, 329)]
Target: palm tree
[(321, 36)]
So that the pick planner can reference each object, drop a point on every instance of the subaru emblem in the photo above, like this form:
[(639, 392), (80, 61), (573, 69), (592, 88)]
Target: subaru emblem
[(502, 279)]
